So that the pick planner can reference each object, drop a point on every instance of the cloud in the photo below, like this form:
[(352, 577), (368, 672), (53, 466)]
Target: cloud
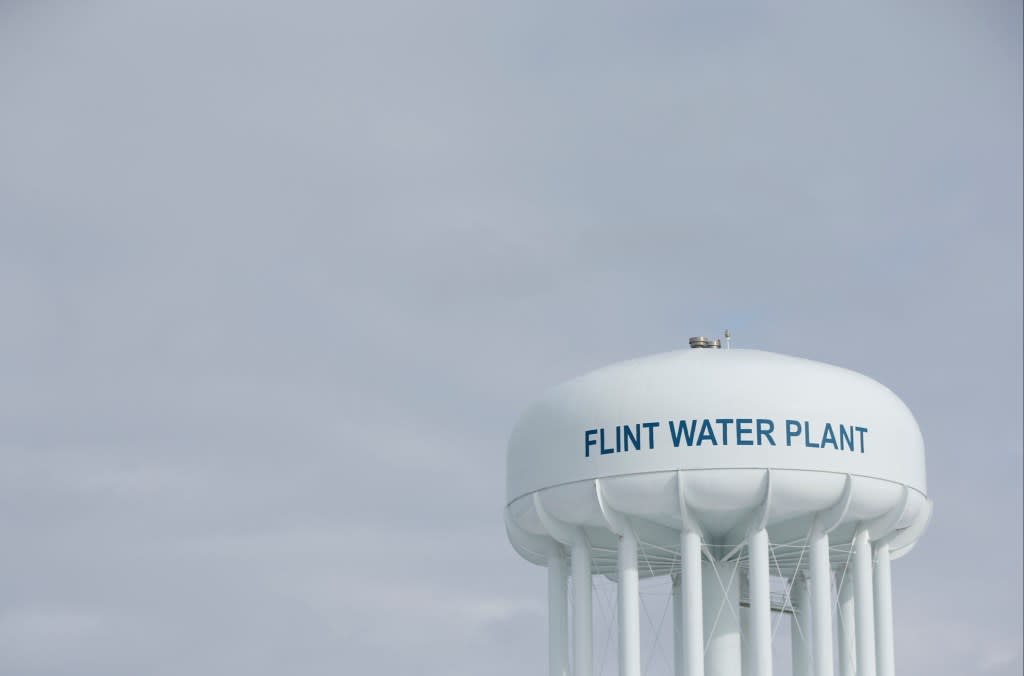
[(276, 283)]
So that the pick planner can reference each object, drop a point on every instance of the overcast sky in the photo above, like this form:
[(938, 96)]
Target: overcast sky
[(277, 278)]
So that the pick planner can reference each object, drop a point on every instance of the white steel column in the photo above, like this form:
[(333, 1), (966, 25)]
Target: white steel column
[(582, 609), (883, 612), (864, 607), (760, 604), (745, 638), (821, 603), (629, 605), (677, 625), (693, 604), (800, 626), (722, 652), (847, 632), (558, 614)]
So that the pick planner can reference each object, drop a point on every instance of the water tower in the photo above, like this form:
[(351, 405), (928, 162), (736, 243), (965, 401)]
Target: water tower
[(761, 483)]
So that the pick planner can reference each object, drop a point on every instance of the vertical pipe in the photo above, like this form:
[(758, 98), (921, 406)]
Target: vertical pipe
[(746, 640), (883, 612), (558, 614), (800, 626), (629, 605), (677, 625), (821, 603), (693, 604), (864, 607), (582, 615), (760, 604), (722, 648), (847, 632)]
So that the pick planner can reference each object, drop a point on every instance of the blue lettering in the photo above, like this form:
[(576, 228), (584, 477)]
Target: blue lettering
[(706, 433), (792, 430), (682, 431), (844, 440), (765, 428), (724, 422), (649, 426), (829, 437), (807, 436), (741, 430), (629, 438), (715, 432), (862, 430)]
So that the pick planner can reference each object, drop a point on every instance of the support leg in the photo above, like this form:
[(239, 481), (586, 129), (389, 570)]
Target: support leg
[(693, 605), (583, 623), (821, 604), (760, 605), (864, 607), (847, 632), (886, 654), (800, 627), (746, 640), (558, 614), (629, 606), (677, 625)]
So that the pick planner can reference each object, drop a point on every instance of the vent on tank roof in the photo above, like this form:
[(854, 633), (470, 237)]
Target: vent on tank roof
[(701, 341)]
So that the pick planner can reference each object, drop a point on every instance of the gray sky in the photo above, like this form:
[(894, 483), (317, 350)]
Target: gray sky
[(276, 280)]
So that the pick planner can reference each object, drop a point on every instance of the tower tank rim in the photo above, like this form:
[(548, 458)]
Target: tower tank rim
[(761, 468)]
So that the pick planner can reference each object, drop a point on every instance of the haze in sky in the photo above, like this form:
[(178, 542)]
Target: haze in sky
[(277, 279)]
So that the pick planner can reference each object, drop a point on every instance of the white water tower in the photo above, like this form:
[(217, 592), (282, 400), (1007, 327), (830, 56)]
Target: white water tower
[(734, 472)]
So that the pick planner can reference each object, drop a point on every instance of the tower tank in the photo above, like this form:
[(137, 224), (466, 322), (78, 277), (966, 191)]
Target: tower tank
[(760, 483)]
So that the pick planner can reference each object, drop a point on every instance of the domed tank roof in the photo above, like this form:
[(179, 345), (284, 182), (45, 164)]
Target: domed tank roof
[(703, 409)]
